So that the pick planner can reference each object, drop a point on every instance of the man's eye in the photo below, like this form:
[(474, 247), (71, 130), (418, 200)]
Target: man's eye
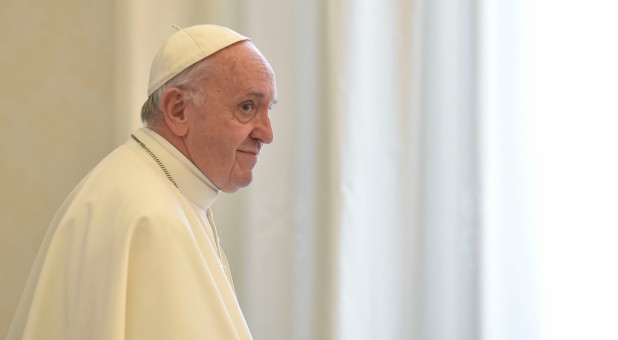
[(247, 107), (245, 112)]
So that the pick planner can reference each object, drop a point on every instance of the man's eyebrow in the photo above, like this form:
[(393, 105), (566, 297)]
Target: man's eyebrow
[(261, 96), (256, 94)]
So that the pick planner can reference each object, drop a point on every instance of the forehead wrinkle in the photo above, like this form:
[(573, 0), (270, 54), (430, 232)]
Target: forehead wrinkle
[(239, 63)]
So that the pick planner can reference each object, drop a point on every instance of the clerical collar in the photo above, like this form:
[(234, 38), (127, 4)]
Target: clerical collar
[(187, 177)]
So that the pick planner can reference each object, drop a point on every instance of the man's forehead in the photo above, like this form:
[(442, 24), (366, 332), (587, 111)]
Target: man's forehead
[(239, 66), (272, 97)]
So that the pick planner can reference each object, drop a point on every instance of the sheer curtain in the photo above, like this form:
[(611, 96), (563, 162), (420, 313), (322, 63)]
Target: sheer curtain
[(362, 222)]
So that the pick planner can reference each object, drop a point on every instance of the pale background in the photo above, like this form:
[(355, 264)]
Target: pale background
[(442, 169), (56, 120)]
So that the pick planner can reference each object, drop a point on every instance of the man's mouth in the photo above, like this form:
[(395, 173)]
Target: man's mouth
[(255, 153)]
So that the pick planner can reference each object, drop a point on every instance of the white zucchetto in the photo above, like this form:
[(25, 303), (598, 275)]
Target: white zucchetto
[(185, 48)]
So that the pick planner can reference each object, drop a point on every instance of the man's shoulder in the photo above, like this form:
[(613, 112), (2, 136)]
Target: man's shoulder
[(124, 179)]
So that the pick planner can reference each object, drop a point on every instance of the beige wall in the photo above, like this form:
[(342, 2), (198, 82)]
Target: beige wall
[(56, 104)]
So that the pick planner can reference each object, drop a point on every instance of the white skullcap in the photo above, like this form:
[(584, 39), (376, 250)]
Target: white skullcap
[(185, 48)]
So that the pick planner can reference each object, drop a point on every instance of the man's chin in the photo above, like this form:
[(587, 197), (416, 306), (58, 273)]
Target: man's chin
[(238, 183)]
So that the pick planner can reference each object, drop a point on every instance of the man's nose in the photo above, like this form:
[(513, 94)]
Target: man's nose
[(263, 130)]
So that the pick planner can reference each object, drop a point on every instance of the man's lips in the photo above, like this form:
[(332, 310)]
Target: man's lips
[(255, 153), (251, 149)]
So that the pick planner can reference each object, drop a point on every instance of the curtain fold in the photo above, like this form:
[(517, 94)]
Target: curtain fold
[(450, 192), (369, 52)]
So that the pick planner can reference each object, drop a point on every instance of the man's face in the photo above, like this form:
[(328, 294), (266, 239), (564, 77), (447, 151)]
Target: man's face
[(226, 133)]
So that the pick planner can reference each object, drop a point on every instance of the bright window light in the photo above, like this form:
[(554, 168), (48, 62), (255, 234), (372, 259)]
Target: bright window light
[(550, 101), (571, 95)]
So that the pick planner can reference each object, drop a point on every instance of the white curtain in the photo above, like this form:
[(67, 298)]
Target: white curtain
[(363, 219)]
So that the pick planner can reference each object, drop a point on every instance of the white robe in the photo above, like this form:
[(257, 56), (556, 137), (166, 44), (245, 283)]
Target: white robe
[(129, 256)]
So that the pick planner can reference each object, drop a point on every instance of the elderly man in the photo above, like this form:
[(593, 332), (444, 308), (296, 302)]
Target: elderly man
[(133, 252)]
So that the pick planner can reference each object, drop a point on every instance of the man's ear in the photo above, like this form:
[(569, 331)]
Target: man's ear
[(173, 106)]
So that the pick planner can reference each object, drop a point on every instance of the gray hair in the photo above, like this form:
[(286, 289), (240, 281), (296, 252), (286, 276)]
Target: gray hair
[(152, 111)]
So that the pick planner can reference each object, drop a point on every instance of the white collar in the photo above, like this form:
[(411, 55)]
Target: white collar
[(190, 180)]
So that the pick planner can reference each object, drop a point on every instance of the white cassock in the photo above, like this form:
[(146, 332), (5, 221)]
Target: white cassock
[(130, 256)]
